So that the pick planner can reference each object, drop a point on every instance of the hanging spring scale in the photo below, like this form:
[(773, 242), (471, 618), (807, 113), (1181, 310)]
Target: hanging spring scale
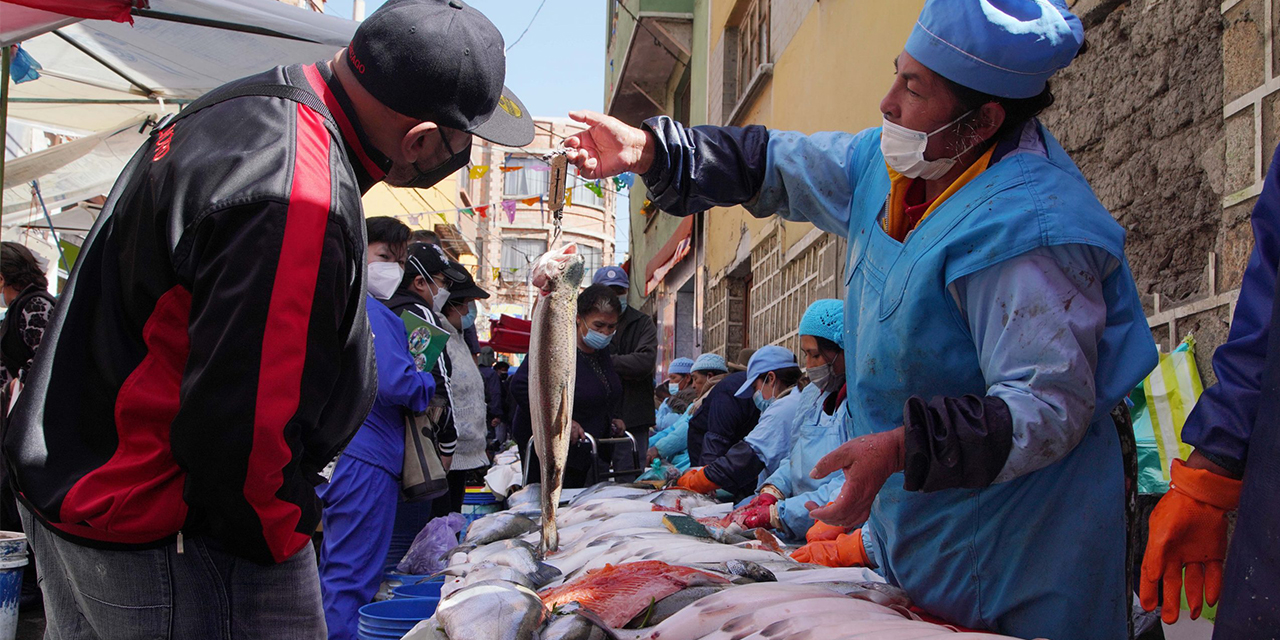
[(559, 171)]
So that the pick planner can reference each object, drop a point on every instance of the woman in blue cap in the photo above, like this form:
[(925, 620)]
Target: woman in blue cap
[(991, 319), (677, 381), (772, 373)]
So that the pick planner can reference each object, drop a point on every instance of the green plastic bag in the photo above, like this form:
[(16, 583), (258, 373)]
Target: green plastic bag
[(1161, 404)]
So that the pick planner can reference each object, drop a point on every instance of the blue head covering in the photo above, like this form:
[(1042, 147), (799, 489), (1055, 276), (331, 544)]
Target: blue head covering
[(680, 365), (1006, 48), (824, 319), (709, 362), (611, 277), (766, 359)]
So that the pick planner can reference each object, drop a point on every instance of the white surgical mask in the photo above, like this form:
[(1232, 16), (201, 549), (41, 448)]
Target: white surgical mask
[(384, 278), (441, 296), (818, 375), (903, 150)]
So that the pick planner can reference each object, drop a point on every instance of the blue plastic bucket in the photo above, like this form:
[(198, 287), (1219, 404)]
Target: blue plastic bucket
[(13, 558), (395, 616), (420, 590), (394, 580)]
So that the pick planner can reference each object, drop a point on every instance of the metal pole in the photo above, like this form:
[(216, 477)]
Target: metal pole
[(4, 115), (35, 186), (357, 10)]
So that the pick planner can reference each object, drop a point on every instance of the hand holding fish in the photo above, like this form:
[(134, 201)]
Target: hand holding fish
[(608, 147), (867, 461)]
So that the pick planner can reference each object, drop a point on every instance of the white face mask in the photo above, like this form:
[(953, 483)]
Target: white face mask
[(441, 296), (384, 278), (903, 150)]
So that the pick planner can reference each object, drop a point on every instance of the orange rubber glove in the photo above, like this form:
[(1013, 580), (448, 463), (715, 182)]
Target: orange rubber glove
[(845, 551), (1188, 530), (823, 532), (695, 480)]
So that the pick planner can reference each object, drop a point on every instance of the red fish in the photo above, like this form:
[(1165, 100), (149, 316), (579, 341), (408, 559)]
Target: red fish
[(617, 593)]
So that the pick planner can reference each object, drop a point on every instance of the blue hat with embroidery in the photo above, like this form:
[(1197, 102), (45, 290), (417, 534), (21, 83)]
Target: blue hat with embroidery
[(611, 277), (709, 362), (764, 360), (1006, 48), (824, 319), (680, 365)]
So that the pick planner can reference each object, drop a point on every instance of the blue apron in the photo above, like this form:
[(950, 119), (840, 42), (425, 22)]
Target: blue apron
[(817, 434), (1043, 554)]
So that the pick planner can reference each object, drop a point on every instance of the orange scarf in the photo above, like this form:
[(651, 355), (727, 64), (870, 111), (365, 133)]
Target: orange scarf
[(896, 221)]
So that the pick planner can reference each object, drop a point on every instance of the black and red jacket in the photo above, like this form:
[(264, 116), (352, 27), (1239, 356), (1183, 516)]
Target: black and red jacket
[(211, 352)]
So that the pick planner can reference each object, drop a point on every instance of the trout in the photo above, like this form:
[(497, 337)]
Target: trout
[(553, 356)]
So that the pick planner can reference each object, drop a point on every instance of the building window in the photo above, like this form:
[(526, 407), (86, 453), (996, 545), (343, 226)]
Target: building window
[(527, 182), (753, 44), (590, 261), (581, 194), (518, 255)]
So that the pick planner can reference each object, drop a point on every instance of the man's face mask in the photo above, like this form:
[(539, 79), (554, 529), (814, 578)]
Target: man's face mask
[(420, 179)]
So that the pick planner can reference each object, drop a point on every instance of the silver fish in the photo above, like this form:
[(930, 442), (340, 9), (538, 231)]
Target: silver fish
[(491, 610), (498, 526), (672, 604), (553, 354), (574, 622)]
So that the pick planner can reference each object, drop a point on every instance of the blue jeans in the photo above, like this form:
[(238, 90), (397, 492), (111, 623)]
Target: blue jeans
[(359, 516), (160, 594)]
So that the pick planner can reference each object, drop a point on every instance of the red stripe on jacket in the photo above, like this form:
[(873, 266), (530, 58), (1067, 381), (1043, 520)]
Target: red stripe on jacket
[(284, 341), (348, 132), (136, 497)]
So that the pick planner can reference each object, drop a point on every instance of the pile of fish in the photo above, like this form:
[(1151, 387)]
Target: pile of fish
[(621, 574)]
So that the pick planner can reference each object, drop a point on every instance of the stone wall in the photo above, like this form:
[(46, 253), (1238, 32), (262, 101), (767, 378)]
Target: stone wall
[(1141, 114)]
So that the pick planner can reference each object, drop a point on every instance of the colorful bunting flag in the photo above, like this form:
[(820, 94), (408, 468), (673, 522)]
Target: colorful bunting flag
[(478, 172), (468, 212), (529, 202), (442, 218), (509, 207), (497, 273), (540, 167), (594, 187), (483, 210), (510, 169), (413, 219), (623, 180), (568, 197)]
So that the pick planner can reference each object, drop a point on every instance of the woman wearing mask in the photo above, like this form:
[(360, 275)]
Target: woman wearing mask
[(677, 379), (597, 394), (772, 374), (466, 391), (24, 290), (360, 499), (821, 425)]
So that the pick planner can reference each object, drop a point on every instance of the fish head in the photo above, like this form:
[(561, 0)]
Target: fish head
[(558, 268)]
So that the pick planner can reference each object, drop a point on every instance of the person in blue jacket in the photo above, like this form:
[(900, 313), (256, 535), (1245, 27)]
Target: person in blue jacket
[(361, 497), (991, 318), (672, 443), (821, 425), (1235, 429), (772, 373), (720, 418), (677, 379)]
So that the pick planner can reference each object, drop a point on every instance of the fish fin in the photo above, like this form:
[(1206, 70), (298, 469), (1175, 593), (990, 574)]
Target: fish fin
[(609, 632), (545, 573)]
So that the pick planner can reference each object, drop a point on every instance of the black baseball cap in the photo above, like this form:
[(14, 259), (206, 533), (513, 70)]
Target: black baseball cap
[(440, 61), (466, 290), (429, 259)]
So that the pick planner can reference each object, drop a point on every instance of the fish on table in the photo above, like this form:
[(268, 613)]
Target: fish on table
[(616, 593), (553, 354), (491, 610)]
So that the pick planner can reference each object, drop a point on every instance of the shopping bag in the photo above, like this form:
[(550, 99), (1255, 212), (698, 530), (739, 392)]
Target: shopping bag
[(1161, 404)]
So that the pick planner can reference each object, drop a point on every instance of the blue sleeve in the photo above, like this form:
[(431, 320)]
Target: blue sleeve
[(1041, 365), (799, 177), (781, 477), (771, 439), (1220, 425), (726, 419), (676, 440), (795, 515), (399, 381)]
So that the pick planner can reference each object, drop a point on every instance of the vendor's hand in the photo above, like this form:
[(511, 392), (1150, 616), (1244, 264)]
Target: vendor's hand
[(618, 426), (608, 147), (764, 515), (577, 433), (845, 551), (1188, 532), (495, 422), (696, 480), (823, 532), (867, 461), (651, 455)]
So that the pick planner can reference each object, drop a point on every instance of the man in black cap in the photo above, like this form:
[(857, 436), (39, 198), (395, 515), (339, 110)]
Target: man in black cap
[(211, 353)]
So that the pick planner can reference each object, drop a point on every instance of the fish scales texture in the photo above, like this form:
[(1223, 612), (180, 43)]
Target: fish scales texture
[(617, 593), (553, 353)]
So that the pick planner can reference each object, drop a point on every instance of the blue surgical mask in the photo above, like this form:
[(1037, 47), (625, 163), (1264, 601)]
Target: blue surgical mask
[(622, 300), (761, 403), (673, 388), (597, 340), (469, 320)]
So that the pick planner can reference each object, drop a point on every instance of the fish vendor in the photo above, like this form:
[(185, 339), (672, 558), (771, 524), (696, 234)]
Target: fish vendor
[(672, 444), (991, 318), (720, 419), (677, 380), (822, 423), (772, 374), (1236, 434)]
